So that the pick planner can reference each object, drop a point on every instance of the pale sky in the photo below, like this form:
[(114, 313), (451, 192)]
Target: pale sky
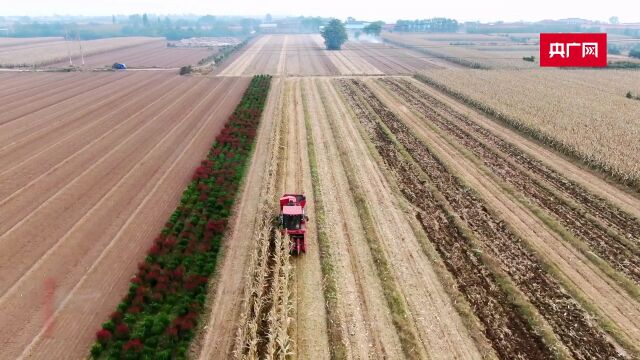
[(388, 10)]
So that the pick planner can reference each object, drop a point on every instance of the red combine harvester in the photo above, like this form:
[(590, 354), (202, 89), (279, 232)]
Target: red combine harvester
[(293, 221)]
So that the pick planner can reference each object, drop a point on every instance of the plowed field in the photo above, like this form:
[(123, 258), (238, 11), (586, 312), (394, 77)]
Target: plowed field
[(152, 54), (91, 167), (303, 55)]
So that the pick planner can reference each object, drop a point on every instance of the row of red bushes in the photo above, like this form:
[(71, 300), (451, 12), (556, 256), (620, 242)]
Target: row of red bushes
[(156, 319)]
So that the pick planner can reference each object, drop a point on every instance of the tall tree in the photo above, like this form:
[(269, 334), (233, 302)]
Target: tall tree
[(374, 28), (334, 34)]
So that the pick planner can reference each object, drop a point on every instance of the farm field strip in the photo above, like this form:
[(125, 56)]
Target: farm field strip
[(30, 116), (184, 254), (19, 105), (131, 135), (103, 173), (36, 119), (470, 55), (309, 329), (266, 310), (395, 60), (594, 128), (548, 296), (7, 41), (603, 296), (345, 62), (13, 83), (166, 171), (154, 54), (353, 60), (499, 316), (20, 152), (438, 329), (269, 63), (612, 194), (614, 214), (621, 252), (218, 332), (42, 181), (306, 56), (363, 317), (50, 52), (242, 62)]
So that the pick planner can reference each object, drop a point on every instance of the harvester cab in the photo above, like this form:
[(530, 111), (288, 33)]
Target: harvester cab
[(293, 221)]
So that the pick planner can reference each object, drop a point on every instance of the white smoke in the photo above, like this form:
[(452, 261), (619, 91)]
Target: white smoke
[(365, 38)]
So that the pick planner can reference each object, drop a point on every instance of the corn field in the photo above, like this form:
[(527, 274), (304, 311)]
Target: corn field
[(583, 113)]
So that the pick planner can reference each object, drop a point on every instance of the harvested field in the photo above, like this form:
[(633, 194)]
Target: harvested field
[(378, 308), (86, 182), (42, 53), (279, 55), (570, 323), (152, 54), (394, 60), (305, 55), (6, 43), (472, 51), (523, 254)]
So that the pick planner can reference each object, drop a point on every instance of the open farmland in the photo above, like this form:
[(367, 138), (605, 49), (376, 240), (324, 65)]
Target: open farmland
[(584, 113), (91, 167), (452, 213), (305, 55), (474, 51), (150, 54), (523, 254), (10, 42), (51, 52)]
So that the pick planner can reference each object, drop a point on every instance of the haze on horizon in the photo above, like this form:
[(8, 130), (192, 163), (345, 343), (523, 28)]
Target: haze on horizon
[(390, 11)]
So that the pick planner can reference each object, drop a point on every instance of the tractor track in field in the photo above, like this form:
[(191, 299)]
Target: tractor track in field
[(363, 318), (310, 315), (568, 320), (620, 252)]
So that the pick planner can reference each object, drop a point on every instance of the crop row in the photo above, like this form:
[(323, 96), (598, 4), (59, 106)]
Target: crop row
[(596, 205), (568, 320), (156, 319), (262, 330), (620, 253), (504, 326), (556, 109)]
